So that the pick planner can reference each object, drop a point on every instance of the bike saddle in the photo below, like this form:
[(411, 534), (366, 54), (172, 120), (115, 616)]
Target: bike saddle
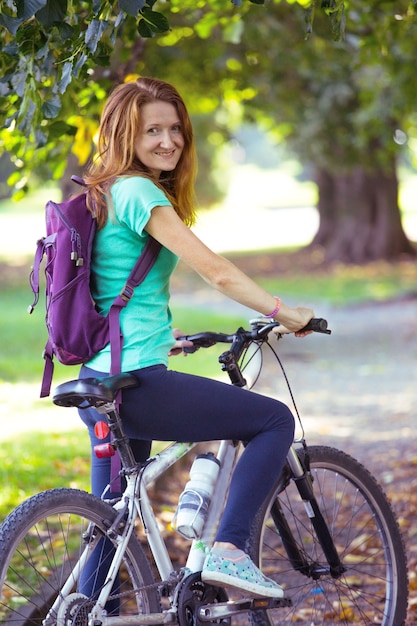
[(89, 392)]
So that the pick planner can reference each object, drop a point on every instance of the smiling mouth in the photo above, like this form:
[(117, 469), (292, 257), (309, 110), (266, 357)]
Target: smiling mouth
[(165, 154)]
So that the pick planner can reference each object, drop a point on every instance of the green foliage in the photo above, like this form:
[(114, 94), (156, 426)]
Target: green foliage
[(58, 60), (32, 462), (48, 45), (337, 104)]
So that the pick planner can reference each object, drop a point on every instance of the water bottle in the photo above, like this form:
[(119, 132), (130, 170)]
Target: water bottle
[(194, 501)]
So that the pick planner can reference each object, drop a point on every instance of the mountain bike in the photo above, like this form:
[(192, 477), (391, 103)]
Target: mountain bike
[(326, 532)]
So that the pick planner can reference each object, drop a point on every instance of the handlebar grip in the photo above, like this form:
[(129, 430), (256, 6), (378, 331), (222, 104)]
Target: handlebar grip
[(190, 349), (318, 325)]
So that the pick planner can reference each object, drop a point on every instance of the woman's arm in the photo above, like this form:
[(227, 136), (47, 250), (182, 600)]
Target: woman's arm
[(167, 228)]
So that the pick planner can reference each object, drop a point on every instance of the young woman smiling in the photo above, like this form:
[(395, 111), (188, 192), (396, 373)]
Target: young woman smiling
[(142, 183)]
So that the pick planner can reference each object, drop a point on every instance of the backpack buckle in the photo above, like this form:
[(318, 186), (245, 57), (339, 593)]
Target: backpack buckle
[(126, 293)]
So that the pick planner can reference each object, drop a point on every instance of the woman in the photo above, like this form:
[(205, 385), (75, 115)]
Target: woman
[(141, 184)]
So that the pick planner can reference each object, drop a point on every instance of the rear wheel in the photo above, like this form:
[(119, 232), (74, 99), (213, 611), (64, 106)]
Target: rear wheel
[(374, 587), (40, 543)]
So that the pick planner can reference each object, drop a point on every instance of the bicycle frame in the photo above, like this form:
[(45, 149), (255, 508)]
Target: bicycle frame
[(135, 501)]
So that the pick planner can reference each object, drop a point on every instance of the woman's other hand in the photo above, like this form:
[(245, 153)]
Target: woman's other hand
[(179, 345)]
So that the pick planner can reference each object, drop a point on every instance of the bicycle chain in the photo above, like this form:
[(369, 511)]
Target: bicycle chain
[(88, 603), (160, 583)]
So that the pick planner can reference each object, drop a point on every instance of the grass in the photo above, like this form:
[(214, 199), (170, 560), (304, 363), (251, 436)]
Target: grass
[(33, 462), (24, 336), (346, 285)]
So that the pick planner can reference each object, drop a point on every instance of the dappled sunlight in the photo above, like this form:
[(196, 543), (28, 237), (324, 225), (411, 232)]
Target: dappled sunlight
[(272, 209), (263, 209), (21, 410)]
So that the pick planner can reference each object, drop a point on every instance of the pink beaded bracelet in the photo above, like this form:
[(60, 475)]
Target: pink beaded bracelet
[(277, 308)]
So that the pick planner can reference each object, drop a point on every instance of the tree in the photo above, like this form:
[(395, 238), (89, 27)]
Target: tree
[(340, 107), (337, 104)]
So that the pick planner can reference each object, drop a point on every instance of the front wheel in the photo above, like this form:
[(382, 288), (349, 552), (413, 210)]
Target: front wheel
[(41, 542), (373, 588)]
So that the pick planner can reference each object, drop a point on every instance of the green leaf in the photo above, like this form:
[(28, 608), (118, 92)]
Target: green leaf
[(65, 30), (54, 11), (11, 48), (28, 8), (144, 30), (4, 91), (94, 33), (51, 107), (59, 128), (40, 138), (157, 22), (79, 64), (102, 56), (66, 77), (18, 81), (132, 7), (10, 23)]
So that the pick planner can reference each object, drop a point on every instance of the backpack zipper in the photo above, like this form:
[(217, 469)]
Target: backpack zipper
[(75, 238)]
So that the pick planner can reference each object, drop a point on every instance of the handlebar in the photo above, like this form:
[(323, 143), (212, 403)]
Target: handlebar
[(259, 331), (240, 340)]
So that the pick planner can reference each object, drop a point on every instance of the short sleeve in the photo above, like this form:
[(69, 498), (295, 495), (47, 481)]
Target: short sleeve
[(133, 198)]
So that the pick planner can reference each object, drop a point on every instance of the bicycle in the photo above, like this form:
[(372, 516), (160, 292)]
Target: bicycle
[(326, 533)]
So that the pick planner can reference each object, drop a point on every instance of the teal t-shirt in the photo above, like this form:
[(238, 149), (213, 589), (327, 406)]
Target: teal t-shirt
[(146, 320)]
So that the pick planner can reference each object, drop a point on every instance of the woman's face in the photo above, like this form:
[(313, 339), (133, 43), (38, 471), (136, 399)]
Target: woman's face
[(160, 141)]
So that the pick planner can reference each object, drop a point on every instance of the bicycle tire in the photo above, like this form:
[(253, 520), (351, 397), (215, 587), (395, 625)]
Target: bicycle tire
[(41, 540), (374, 587)]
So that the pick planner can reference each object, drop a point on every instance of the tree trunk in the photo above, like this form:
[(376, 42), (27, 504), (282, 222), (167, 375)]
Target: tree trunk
[(359, 215)]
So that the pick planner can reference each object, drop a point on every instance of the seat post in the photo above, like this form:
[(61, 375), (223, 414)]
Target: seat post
[(120, 440)]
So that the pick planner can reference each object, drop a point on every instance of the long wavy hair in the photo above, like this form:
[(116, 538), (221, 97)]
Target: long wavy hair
[(119, 127)]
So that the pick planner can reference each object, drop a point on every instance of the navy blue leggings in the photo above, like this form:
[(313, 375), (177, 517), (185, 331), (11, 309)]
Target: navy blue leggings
[(171, 406)]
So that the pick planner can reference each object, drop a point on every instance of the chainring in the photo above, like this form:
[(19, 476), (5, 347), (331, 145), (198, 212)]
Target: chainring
[(193, 594)]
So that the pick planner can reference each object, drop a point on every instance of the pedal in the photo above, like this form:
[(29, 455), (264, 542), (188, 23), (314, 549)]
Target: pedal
[(211, 612)]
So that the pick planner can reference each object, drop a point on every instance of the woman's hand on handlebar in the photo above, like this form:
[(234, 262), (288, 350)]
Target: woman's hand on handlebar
[(282, 330), (179, 345), (292, 320)]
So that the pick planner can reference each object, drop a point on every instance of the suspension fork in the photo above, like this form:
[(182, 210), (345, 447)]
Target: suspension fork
[(304, 484)]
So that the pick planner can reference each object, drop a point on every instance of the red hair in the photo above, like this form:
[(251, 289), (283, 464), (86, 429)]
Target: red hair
[(120, 125)]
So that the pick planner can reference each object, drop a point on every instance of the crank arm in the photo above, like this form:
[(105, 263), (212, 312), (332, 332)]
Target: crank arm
[(211, 612)]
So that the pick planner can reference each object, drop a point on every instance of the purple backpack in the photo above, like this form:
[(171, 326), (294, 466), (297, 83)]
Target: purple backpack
[(76, 331)]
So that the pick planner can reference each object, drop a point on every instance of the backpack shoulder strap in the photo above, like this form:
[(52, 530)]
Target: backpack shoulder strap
[(138, 274), (141, 268)]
